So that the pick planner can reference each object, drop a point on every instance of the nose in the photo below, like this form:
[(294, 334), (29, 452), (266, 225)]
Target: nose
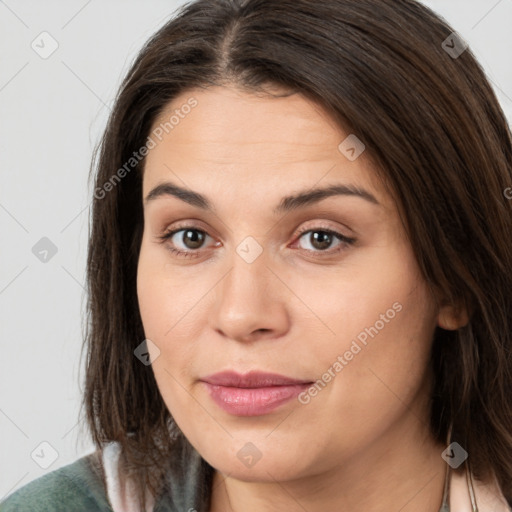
[(250, 302)]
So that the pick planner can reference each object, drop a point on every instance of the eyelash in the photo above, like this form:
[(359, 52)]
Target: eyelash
[(345, 241)]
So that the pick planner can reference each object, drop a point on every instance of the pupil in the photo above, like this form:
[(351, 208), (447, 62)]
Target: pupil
[(321, 239), (193, 239)]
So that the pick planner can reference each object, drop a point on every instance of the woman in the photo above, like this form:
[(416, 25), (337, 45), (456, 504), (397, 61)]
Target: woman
[(299, 270)]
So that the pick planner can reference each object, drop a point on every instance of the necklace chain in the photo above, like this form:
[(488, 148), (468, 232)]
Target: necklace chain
[(445, 505)]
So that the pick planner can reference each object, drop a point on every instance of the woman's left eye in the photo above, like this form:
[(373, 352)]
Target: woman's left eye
[(320, 240)]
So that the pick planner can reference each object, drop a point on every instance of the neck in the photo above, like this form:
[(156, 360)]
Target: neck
[(402, 470)]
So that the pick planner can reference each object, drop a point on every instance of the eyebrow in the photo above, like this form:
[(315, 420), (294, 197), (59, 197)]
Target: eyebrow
[(288, 203)]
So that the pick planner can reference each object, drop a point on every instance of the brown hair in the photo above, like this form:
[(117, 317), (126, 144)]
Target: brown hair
[(435, 132)]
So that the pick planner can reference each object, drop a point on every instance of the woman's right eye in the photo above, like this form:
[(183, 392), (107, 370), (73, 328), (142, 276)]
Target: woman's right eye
[(185, 241)]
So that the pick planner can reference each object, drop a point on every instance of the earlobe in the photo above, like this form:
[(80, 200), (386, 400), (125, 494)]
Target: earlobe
[(452, 318)]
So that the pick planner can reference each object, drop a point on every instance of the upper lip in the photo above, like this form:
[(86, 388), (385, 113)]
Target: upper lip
[(253, 379)]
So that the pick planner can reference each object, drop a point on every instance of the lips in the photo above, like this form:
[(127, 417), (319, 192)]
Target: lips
[(253, 393), (251, 380)]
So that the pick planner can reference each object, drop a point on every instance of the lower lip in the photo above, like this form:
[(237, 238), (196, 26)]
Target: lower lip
[(253, 401)]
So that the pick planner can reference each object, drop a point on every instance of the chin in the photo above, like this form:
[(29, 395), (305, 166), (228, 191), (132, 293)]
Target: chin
[(247, 465)]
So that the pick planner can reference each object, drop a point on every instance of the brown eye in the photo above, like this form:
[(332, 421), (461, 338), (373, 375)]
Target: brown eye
[(192, 238), (323, 241), (185, 241), (320, 239)]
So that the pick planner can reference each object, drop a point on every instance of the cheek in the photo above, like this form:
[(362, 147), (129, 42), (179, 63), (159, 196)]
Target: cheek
[(166, 296), (173, 304), (383, 321), (378, 295), (152, 296), (163, 303)]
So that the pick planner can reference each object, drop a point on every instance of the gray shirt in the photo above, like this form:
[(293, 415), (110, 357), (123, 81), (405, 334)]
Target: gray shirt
[(80, 486)]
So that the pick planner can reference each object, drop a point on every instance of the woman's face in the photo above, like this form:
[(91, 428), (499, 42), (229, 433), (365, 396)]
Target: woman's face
[(277, 277)]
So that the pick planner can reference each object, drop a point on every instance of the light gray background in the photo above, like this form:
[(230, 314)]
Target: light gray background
[(52, 112)]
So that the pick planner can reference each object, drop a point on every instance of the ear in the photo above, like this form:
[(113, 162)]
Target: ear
[(452, 317)]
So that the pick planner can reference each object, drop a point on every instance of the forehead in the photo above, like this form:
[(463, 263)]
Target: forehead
[(258, 117), (232, 136)]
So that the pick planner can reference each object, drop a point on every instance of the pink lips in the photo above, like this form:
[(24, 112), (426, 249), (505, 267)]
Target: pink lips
[(252, 394)]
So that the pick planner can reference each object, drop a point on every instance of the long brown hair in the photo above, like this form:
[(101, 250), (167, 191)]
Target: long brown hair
[(431, 124)]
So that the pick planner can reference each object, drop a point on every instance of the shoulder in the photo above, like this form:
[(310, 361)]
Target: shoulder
[(487, 495), (77, 486)]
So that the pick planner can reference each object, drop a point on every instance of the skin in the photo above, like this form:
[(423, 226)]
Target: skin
[(363, 442)]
